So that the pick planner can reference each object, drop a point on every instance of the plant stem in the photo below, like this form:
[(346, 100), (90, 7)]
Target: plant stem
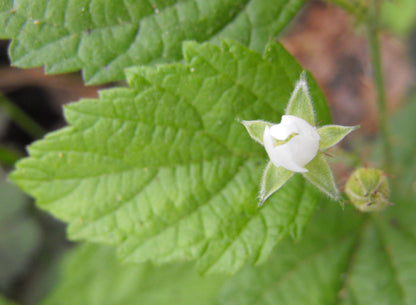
[(21, 118), (374, 44)]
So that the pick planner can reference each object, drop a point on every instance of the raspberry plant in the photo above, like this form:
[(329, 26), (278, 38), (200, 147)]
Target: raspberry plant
[(160, 179)]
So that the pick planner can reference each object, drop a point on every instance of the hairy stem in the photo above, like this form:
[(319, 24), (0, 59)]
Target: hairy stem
[(374, 44)]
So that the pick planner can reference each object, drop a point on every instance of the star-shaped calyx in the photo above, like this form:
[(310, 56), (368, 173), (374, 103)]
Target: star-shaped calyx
[(297, 146)]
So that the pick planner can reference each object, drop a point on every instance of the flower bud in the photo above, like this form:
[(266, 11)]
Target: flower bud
[(291, 144), (368, 189)]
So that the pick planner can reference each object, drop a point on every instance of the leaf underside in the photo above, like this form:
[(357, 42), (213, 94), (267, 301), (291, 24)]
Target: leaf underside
[(104, 37), (166, 171)]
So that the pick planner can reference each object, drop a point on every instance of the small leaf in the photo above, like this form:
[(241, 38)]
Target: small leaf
[(300, 103), (332, 134), (320, 175), (273, 179), (256, 129)]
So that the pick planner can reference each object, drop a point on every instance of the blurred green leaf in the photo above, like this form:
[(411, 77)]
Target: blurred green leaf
[(357, 8), (165, 170), (399, 15), (92, 275), (104, 37), (19, 234), (4, 301)]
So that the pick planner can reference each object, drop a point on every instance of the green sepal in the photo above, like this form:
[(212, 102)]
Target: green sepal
[(300, 103), (332, 134), (320, 174), (256, 129), (273, 179)]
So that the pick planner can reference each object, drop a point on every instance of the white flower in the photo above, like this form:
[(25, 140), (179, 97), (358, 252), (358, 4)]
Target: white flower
[(291, 144), (296, 145)]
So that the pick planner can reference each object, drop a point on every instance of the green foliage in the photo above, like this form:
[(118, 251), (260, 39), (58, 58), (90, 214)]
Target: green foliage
[(166, 171), (312, 271), (100, 279), (104, 37), (357, 8), (19, 234), (4, 301), (306, 272), (345, 257), (383, 269), (399, 16)]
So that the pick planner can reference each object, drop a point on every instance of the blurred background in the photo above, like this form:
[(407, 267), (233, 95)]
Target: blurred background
[(323, 38)]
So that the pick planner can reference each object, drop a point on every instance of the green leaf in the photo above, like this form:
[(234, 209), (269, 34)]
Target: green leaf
[(166, 171), (398, 16), (332, 134), (256, 129), (320, 174), (384, 269), (100, 279), (307, 272), (20, 235), (273, 179), (104, 37), (300, 103)]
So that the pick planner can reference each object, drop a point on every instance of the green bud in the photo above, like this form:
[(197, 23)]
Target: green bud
[(368, 189)]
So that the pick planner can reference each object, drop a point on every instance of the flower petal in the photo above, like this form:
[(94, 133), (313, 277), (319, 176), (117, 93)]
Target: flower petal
[(273, 178), (268, 143), (282, 155), (303, 149), (283, 130), (300, 125), (299, 150)]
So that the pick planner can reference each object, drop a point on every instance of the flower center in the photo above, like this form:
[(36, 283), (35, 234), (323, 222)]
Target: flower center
[(280, 142)]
